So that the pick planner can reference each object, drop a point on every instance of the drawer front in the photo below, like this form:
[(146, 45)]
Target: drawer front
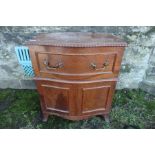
[(77, 65)]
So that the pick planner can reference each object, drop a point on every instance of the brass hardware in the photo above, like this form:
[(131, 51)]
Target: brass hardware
[(94, 66), (106, 63), (58, 65)]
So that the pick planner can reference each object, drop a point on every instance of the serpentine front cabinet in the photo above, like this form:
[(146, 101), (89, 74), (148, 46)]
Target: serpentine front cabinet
[(76, 73)]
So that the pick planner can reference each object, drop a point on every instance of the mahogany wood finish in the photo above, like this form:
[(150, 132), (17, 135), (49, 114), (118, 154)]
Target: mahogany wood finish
[(76, 73)]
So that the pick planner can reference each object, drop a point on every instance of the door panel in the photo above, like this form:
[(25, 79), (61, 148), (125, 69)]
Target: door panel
[(94, 98), (56, 98)]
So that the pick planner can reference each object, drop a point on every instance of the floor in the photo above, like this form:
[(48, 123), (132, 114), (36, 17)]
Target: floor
[(132, 109)]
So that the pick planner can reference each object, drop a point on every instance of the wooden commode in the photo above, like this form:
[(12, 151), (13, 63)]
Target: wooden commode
[(76, 73)]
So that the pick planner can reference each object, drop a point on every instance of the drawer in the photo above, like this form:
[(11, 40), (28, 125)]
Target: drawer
[(77, 65)]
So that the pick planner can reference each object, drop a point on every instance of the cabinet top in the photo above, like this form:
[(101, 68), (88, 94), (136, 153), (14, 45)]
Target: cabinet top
[(77, 39)]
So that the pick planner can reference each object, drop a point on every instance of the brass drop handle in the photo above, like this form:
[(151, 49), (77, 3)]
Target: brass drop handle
[(48, 66), (94, 66), (106, 63)]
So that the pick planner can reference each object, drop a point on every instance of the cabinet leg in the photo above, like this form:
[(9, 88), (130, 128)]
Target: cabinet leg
[(45, 117), (106, 117)]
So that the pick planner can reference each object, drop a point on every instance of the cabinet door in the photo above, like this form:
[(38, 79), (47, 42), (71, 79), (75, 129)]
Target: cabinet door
[(96, 97), (57, 96)]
